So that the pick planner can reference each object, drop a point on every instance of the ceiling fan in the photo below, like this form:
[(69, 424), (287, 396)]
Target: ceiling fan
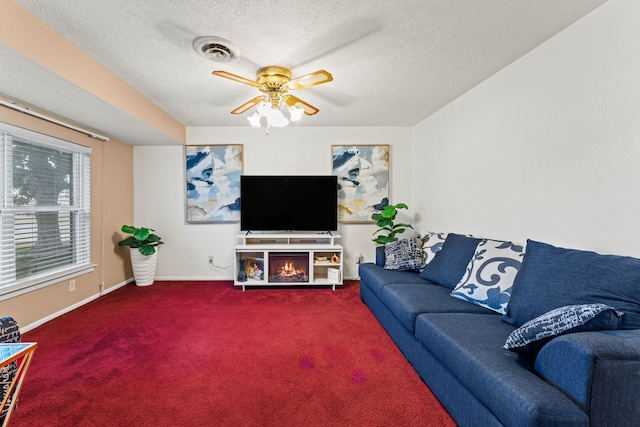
[(276, 82)]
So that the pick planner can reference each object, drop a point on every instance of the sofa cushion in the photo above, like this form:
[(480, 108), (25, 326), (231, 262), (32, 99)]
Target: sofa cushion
[(408, 300), (470, 347), (449, 264), (490, 274), (530, 337), (404, 254), (375, 277), (552, 277), (431, 244)]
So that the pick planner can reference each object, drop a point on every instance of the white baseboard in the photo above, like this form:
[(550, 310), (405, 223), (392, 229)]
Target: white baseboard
[(44, 320)]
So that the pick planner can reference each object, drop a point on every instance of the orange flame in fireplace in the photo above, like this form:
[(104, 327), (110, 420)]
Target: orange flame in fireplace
[(288, 269)]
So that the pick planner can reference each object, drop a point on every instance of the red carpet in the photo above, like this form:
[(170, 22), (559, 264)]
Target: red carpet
[(208, 354)]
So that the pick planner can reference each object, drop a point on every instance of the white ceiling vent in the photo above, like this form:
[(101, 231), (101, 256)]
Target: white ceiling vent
[(216, 49)]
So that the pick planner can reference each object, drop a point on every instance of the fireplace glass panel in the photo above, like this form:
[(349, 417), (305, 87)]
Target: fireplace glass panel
[(290, 267)]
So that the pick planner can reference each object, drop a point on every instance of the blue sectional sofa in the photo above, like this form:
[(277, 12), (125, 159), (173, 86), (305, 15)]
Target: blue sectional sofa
[(513, 335)]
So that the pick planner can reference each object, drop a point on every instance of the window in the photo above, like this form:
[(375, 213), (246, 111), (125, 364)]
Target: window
[(44, 210)]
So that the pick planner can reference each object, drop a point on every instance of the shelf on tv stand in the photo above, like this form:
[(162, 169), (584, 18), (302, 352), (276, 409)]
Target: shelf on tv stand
[(327, 272), (289, 239)]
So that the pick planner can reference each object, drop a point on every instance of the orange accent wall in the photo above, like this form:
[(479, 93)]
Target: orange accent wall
[(111, 207)]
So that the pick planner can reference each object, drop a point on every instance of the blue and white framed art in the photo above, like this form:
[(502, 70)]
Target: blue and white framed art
[(363, 180), (213, 182)]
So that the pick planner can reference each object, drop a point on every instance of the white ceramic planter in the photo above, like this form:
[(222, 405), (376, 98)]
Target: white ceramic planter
[(144, 267)]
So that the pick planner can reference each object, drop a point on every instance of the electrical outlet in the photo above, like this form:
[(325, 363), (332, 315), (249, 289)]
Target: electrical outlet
[(210, 259), (72, 285)]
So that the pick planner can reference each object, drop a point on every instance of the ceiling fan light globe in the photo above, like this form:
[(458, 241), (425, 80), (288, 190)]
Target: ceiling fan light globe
[(272, 113), (276, 119), (295, 113), (263, 108), (254, 119)]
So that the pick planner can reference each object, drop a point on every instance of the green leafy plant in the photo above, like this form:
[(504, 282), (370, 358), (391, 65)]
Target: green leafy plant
[(385, 221), (141, 238)]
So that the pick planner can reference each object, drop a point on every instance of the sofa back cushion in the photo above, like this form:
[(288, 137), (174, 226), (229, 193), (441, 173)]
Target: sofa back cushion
[(552, 277), (450, 263)]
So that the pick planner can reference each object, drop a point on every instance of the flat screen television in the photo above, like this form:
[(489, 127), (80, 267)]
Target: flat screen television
[(288, 203)]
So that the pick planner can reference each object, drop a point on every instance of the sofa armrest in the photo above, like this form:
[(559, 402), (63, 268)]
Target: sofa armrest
[(599, 370)]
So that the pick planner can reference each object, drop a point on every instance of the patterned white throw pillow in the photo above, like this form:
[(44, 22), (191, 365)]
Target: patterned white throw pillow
[(489, 276), (431, 244)]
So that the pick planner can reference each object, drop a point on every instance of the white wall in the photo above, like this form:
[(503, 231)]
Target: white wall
[(548, 148), (159, 190)]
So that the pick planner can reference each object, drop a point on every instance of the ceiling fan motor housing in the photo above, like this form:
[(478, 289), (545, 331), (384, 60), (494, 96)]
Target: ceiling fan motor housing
[(274, 82), (273, 74)]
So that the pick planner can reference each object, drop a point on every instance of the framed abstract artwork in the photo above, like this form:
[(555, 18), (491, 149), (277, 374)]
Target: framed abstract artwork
[(213, 182), (363, 180)]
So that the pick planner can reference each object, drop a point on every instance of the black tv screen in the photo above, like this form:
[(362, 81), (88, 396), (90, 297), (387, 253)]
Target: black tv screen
[(288, 203)]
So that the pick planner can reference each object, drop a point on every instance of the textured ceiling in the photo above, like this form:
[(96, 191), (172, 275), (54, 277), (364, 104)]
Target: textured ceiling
[(394, 62)]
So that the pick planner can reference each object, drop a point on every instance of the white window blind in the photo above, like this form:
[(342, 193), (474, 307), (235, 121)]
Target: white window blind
[(44, 211)]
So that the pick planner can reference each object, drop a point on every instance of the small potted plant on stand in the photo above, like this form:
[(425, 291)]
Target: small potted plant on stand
[(144, 255), (385, 220)]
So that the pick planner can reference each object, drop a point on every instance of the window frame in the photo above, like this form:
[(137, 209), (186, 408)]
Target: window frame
[(81, 242)]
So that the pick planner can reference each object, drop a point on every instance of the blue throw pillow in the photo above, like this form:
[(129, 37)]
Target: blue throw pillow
[(552, 277), (533, 335), (450, 263)]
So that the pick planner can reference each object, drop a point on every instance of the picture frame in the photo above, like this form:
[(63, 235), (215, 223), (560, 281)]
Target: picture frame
[(363, 180), (212, 174)]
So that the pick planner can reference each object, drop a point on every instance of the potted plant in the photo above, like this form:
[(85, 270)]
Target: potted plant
[(385, 221), (143, 245)]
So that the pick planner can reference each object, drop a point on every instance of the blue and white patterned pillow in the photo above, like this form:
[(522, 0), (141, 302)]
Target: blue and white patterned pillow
[(489, 276), (431, 244), (404, 254), (530, 337)]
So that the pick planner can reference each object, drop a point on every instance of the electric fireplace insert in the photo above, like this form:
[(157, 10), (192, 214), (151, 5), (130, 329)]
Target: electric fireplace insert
[(289, 267)]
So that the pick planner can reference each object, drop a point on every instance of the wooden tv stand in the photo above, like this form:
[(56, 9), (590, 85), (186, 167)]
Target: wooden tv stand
[(288, 259)]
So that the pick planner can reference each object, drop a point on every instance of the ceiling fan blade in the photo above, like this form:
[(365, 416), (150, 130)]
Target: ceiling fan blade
[(315, 78), (309, 109), (248, 105), (236, 78)]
